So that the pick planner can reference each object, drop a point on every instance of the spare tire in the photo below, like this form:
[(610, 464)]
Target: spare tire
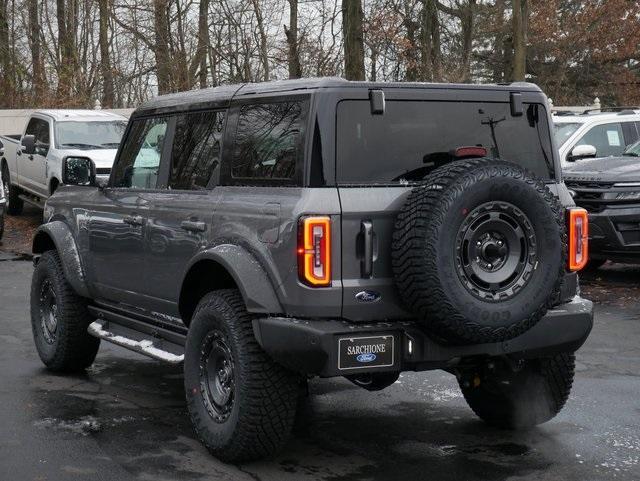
[(479, 251)]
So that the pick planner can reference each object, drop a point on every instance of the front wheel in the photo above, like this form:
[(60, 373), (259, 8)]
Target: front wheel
[(520, 396), (241, 403), (14, 204), (59, 319)]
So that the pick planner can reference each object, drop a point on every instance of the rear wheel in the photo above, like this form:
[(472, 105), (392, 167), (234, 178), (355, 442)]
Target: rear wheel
[(14, 204), (59, 319), (521, 396), (242, 404)]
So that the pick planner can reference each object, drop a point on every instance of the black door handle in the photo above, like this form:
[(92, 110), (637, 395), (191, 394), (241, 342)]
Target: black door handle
[(366, 228), (193, 225), (133, 220)]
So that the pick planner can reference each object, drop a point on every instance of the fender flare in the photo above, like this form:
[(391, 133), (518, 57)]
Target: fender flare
[(249, 275), (60, 234)]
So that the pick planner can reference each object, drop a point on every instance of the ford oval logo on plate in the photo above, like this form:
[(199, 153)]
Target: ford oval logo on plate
[(368, 296), (367, 357)]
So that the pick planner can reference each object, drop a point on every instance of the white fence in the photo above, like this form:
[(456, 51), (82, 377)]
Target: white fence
[(578, 109)]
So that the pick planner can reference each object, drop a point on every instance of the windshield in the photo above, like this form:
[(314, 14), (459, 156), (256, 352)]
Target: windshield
[(563, 131), (90, 135), (412, 138), (633, 150)]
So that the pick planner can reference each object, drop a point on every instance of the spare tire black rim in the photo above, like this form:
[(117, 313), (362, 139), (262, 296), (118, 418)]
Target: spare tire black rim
[(495, 251), (217, 377)]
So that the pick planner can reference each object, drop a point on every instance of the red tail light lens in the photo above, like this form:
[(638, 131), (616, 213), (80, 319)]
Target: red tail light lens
[(314, 251), (578, 238)]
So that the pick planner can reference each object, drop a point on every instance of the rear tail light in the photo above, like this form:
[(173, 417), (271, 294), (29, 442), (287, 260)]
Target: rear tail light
[(578, 238), (314, 251)]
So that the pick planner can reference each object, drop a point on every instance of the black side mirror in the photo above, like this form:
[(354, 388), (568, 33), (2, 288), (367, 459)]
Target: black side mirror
[(28, 143), (78, 171)]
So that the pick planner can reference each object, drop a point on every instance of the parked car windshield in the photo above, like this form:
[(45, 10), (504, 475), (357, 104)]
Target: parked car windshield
[(563, 131), (412, 138), (90, 135)]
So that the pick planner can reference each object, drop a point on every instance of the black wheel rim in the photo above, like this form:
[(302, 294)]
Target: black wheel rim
[(217, 376), (495, 251), (48, 312), (5, 185)]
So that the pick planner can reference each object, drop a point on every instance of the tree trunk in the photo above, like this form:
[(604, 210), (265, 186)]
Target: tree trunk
[(293, 57), (353, 39), (497, 60), (264, 54), (161, 26), (429, 42), (6, 64), (203, 41), (108, 96), (64, 80), (520, 20), (467, 14), (39, 87)]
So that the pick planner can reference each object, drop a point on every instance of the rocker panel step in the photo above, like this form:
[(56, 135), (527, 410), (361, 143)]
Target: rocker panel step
[(136, 341)]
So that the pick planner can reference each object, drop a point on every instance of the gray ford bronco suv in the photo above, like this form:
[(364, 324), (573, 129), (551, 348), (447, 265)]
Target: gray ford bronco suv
[(262, 234)]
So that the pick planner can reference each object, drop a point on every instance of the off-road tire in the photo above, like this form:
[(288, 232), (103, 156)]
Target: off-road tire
[(426, 245), (69, 348), (15, 204), (265, 394), (521, 399)]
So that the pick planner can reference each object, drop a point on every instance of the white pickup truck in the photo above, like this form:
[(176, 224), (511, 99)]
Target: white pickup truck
[(31, 165)]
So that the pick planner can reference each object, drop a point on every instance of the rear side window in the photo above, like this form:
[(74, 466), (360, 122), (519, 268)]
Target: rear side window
[(196, 149), (269, 144), (138, 164), (413, 138)]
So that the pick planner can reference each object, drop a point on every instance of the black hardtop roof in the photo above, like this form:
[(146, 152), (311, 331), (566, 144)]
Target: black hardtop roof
[(223, 94)]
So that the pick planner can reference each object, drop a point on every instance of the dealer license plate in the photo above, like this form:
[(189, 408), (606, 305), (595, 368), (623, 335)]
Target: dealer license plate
[(365, 352)]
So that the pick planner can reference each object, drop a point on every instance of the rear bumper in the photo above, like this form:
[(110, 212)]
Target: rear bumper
[(312, 346), (614, 234)]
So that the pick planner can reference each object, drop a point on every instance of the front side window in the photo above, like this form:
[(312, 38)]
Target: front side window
[(607, 139), (139, 162), (412, 138), (90, 135), (39, 128), (196, 149), (269, 141)]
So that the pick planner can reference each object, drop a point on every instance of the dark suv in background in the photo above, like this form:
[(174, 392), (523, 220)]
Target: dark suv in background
[(609, 189), (263, 234)]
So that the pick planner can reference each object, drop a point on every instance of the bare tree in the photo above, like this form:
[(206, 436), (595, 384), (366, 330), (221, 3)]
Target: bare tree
[(7, 77), (353, 39), (291, 32), (520, 21), (161, 47), (108, 96)]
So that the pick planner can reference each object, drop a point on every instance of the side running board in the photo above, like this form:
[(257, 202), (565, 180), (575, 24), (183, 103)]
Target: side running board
[(137, 341)]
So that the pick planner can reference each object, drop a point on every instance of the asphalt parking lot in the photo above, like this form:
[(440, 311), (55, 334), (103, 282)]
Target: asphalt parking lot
[(125, 419)]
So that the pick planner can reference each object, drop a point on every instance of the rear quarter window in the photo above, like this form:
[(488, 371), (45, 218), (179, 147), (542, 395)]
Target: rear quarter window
[(413, 138), (269, 143)]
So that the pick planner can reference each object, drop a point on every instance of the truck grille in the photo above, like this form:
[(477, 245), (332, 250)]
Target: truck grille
[(590, 195)]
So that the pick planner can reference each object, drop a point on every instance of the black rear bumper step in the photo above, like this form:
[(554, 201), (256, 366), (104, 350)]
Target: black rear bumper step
[(312, 346)]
